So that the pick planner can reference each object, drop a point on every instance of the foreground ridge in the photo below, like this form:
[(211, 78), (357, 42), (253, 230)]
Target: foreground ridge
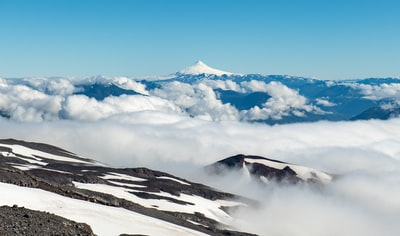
[(165, 204)]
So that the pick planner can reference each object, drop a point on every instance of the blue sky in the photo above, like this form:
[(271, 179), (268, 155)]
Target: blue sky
[(322, 39)]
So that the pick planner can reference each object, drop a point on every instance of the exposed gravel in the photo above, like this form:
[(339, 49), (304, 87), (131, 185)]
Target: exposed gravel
[(21, 221)]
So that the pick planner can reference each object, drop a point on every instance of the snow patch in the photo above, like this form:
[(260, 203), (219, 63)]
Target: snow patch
[(173, 179), (114, 176), (25, 166)]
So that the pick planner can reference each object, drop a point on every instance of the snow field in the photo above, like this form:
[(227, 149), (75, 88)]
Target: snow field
[(104, 220)]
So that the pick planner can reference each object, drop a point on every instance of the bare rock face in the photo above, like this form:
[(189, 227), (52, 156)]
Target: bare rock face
[(21, 221)]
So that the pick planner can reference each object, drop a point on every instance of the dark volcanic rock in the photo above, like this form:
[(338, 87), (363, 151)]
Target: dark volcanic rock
[(286, 174), (256, 169), (264, 169), (21, 221)]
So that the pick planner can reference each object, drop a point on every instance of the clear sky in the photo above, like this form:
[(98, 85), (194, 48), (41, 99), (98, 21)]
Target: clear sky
[(326, 39)]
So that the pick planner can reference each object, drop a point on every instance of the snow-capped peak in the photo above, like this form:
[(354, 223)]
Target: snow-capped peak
[(201, 68)]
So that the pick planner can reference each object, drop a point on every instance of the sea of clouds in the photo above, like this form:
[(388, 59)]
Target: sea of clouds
[(49, 99), (124, 132)]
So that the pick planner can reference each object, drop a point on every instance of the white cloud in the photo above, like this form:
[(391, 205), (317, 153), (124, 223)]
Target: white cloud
[(80, 107), (223, 84), (324, 102), (22, 103), (377, 92), (284, 101), (255, 86), (198, 100), (130, 84), (181, 94), (52, 86)]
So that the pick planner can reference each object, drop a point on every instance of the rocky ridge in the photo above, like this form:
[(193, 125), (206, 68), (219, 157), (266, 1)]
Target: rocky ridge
[(265, 170), (141, 190)]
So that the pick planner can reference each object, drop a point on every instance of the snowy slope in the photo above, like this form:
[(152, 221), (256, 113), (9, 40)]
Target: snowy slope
[(104, 220), (211, 209)]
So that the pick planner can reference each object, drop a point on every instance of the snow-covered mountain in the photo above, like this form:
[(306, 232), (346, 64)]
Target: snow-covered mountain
[(201, 68)]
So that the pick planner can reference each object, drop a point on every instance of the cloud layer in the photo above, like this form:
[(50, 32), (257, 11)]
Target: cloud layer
[(44, 99), (366, 155)]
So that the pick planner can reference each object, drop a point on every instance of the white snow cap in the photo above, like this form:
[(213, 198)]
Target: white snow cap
[(200, 68)]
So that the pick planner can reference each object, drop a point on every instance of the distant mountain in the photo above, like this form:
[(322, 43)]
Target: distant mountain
[(100, 91), (242, 101), (112, 201), (378, 113), (201, 68), (266, 170)]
